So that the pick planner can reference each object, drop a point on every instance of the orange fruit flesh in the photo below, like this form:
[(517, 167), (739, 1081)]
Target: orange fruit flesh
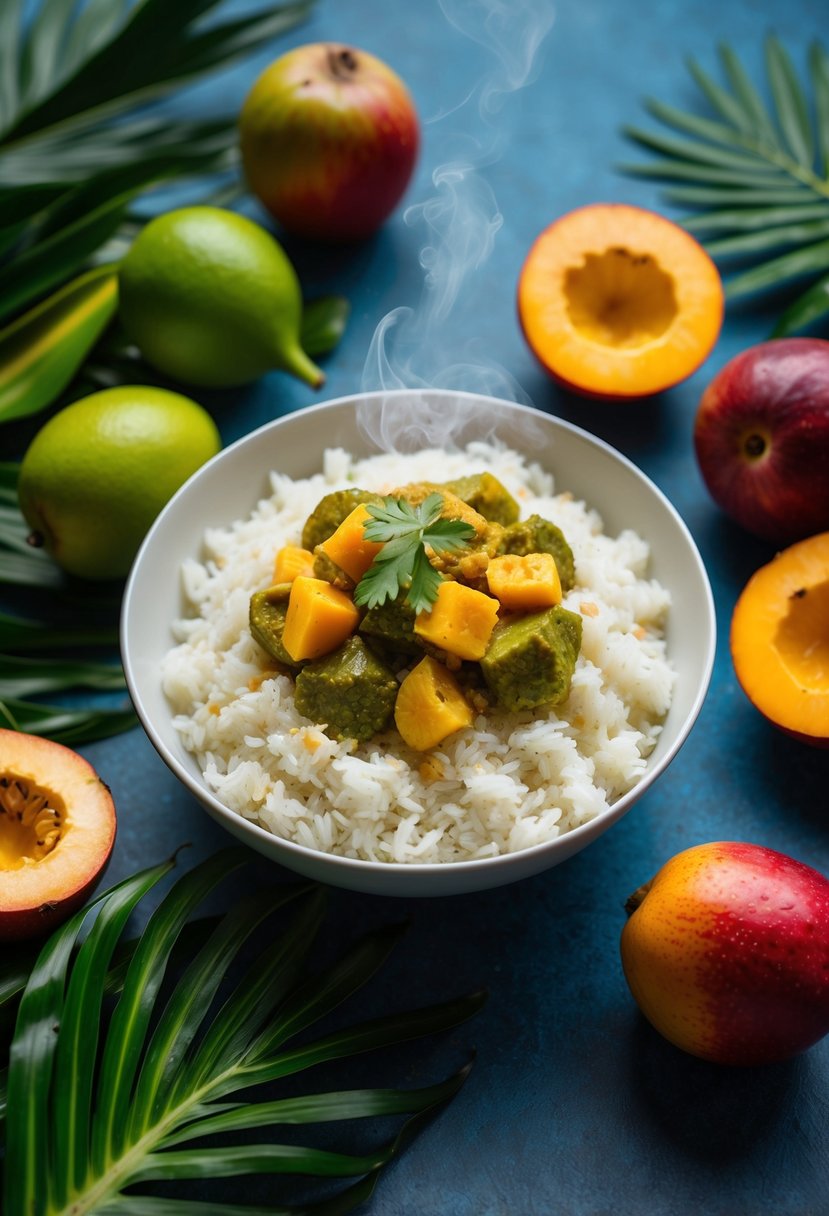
[(616, 301), (780, 639), (57, 824)]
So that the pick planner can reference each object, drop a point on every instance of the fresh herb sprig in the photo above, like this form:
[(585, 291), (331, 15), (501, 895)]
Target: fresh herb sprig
[(402, 564)]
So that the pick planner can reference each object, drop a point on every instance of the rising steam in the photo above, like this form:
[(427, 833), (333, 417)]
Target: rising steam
[(418, 348)]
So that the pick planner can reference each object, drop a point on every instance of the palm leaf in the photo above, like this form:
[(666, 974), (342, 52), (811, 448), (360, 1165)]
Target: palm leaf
[(30, 677), (757, 175), (99, 1101), (64, 724), (76, 141)]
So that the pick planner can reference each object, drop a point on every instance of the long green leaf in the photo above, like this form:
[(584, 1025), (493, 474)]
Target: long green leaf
[(14, 530), (49, 1164), (691, 124), (805, 310), (148, 150), (792, 114), (751, 174), (757, 219), (701, 152), (819, 68), (42, 350), (770, 239), (731, 108), (150, 26), (225, 41), (11, 22), (30, 1071), (780, 270), (145, 59), (257, 1159), (323, 993), (337, 1205), (75, 1058), (382, 1032), (28, 570), (125, 1040), (60, 256), (678, 170), (319, 1108), (93, 26), (757, 118), (41, 62), (25, 633), (29, 677), (251, 1004), (63, 725), (189, 1004)]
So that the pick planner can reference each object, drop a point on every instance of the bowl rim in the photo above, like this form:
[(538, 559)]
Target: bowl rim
[(355, 865)]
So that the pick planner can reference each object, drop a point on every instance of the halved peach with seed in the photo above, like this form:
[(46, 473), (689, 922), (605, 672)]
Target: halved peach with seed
[(618, 302), (57, 829), (780, 640)]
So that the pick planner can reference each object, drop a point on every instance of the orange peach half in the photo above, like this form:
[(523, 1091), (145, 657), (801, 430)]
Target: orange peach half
[(57, 829), (618, 302), (780, 640)]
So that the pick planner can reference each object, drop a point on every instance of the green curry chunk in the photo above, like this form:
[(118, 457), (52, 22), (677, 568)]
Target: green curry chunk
[(330, 572), (537, 535), (268, 610), (351, 692), (486, 495), (530, 660), (330, 512), (393, 623)]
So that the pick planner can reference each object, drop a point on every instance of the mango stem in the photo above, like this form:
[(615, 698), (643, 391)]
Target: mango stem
[(295, 361), (633, 901)]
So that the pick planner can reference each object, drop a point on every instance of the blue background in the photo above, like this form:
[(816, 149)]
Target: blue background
[(574, 1105)]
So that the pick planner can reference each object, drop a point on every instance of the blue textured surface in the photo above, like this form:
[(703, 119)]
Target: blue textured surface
[(574, 1105)]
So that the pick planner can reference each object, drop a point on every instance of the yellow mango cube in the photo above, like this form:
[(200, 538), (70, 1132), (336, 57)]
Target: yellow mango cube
[(430, 706), (460, 622), (524, 583), (348, 547), (292, 561), (319, 619)]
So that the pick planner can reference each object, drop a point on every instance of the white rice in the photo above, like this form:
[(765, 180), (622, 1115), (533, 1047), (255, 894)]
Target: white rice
[(507, 782)]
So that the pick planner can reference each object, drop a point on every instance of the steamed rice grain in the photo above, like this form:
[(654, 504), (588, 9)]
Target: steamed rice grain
[(508, 782)]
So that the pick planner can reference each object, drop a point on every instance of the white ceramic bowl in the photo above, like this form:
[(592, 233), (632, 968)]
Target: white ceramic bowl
[(228, 487)]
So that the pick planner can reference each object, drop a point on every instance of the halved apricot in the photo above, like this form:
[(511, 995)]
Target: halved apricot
[(57, 829), (619, 302), (780, 640)]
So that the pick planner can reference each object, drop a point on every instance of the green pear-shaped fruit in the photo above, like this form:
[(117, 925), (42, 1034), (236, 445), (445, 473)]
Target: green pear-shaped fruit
[(97, 474), (210, 298)]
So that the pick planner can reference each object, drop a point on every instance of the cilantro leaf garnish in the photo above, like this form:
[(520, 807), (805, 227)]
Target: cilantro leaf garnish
[(402, 563)]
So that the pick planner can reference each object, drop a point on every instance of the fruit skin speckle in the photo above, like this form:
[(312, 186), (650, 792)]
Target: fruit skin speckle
[(726, 953)]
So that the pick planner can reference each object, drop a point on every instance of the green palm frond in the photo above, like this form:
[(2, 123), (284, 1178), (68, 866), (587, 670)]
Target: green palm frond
[(98, 1101), (79, 137), (757, 175)]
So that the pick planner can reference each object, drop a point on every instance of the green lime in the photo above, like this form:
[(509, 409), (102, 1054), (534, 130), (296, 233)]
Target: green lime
[(210, 298), (97, 474)]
